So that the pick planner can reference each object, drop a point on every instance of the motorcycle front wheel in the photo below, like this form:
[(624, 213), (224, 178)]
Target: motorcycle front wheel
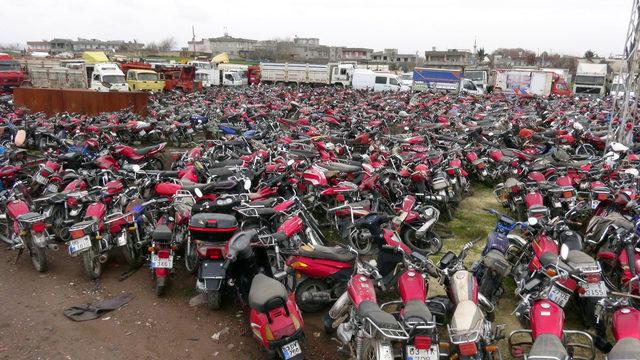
[(430, 243), (38, 256), (92, 265), (190, 256), (130, 254), (213, 300), (154, 164), (309, 285)]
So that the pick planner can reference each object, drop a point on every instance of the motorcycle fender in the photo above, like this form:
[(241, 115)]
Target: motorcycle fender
[(517, 240), (212, 274), (39, 238), (340, 309), (384, 350)]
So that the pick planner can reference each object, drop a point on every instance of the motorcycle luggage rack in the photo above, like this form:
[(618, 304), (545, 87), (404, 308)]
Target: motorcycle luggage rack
[(370, 328), (462, 336), (570, 346), (412, 324)]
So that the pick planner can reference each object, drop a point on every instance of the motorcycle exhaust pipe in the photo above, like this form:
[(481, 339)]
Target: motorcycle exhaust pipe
[(53, 247), (317, 297), (103, 258)]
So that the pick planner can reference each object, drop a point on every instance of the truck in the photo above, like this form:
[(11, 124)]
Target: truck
[(591, 79), (179, 77), (253, 74), (210, 75), (617, 87), (140, 77), (333, 73), (364, 79), (530, 82), (55, 74), (11, 74), (108, 77), (448, 80), (479, 77)]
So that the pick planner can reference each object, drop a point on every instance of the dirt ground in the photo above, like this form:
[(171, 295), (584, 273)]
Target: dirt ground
[(32, 325)]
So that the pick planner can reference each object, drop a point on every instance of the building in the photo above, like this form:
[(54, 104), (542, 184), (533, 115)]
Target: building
[(229, 44), (354, 54), (57, 45), (396, 61), (449, 58)]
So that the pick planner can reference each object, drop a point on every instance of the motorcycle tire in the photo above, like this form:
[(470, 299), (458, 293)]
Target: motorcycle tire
[(59, 228), (92, 266), (431, 244), (310, 285), (361, 243), (446, 211), (214, 299), (191, 263), (154, 164), (38, 257), (131, 256), (161, 287)]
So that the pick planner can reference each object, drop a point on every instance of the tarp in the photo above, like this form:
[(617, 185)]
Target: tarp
[(436, 76), (221, 58), (94, 57)]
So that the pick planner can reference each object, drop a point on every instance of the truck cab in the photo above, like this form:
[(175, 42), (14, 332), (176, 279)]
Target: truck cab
[(205, 72), (591, 79), (341, 73), (406, 79), (479, 77), (11, 74), (144, 80), (108, 77)]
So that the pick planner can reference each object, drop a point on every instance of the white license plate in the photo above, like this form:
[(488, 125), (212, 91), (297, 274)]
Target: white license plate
[(122, 239), (291, 349), (142, 133), (165, 263), (78, 245), (558, 296), (40, 179), (52, 188), (595, 203), (189, 131), (598, 289), (413, 353)]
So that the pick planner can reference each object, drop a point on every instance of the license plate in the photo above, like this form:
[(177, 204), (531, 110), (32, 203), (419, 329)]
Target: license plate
[(143, 133), (122, 240), (559, 296), (598, 289), (413, 353), (40, 179), (595, 203), (189, 131), (80, 244), (165, 263), (291, 349), (52, 188)]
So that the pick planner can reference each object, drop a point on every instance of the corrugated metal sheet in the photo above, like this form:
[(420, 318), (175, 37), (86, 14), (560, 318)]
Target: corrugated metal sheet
[(51, 101)]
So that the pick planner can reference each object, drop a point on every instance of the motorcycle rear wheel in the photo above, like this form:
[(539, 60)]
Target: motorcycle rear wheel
[(155, 164), (214, 299), (190, 257), (38, 257), (92, 266), (431, 243), (306, 286), (161, 287)]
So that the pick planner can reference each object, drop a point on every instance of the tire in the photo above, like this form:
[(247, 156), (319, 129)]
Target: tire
[(155, 164), (359, 240), (161, 287), (213, 299), (191, 262), (430, 244), (92, 266), (59, 228), (130, 254), (38, 257), (306, 286), (446, 211), (368, 351)]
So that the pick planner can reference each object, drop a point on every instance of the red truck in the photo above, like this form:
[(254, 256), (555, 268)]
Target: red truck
[(11, 74), (179, 77), (253, 74)]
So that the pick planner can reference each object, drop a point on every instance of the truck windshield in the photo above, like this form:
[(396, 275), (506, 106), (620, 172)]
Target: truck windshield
[(589, 80), (9, 66), (393, 81), (113, 79), (406, 77), (474, 75), (147, 77)]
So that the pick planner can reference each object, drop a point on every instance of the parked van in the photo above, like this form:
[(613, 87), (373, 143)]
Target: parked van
[(364, 79), (147, 80), (108, 77)]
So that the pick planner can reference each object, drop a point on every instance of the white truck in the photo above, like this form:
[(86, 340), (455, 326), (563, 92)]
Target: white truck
[(530, 82), (210, 75), (591, 79), (307, 73), (479, 77), (108, 77), (364, 79)]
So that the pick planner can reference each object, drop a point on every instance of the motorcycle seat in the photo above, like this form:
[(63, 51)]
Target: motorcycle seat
[(218, 185), (579, 259), (230, 162), (341, 167), (416, 312), (265, 202), (266, 294), (231, 126), (336, 253), (371, 310), (30, 216), (162, 233), (220, 172), (302, 153), (547, 346), (260, 211), (625, 349), (146, 150)]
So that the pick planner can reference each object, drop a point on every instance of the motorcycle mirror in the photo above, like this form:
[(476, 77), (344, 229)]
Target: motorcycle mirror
[(198, 192), (532, 221), (247, 184), (564, 252)]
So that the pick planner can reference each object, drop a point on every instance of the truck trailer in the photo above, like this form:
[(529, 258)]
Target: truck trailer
[(329, 74), (447, 80), (530, 82)]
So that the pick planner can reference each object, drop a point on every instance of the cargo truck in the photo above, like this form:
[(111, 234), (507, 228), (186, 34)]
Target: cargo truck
[(108, 77), (447, 80), (479, 77), (11, 74), (530, 82), (210, 75), (55, 74), (140, 77), (330, 74), (591, 79)]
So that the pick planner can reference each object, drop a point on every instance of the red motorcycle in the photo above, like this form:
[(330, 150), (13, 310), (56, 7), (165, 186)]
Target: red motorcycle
[(145, 157)]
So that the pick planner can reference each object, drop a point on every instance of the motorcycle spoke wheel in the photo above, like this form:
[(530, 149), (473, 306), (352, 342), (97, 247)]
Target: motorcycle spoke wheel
[(190, 257), (430, 243)]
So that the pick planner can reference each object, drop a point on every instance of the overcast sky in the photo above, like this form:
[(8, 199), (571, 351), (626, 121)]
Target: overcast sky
[(564, 26)]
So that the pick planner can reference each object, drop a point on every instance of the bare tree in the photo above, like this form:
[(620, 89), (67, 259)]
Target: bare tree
[(167, 44), (589, 54)]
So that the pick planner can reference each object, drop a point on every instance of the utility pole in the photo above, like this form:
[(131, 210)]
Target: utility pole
[(193, 39)]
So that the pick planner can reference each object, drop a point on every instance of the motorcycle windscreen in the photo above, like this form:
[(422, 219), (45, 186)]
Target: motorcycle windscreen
[(212, 274)]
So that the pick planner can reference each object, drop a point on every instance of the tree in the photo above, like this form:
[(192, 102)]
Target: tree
[(480, 55), (167, 44), (589, 54)]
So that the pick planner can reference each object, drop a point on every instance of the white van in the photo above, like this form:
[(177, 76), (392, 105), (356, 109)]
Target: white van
[(364, 79), (108, 77)]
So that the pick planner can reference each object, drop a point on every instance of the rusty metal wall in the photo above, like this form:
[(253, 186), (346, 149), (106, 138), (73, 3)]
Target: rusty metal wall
[(51, 101)]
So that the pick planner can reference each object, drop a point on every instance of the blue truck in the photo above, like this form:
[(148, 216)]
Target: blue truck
[(447, 80)]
